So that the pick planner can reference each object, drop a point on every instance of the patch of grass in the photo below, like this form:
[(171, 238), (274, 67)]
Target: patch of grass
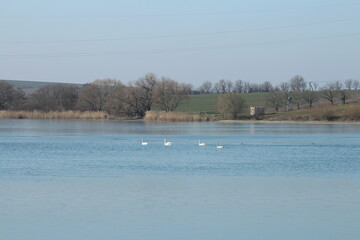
[(354, 114), (199, 103), (206, 103)]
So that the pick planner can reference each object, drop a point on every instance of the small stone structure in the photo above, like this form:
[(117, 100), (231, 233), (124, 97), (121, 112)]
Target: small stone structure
[(257, 111)]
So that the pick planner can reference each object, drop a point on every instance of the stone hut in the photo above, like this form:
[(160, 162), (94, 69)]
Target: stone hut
[(257, 110)]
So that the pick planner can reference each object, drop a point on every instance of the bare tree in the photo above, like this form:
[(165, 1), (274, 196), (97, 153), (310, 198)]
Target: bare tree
[(201, 89), (356, 84), (229, 86), (247, 87), (94, 96), (57, 97), (170, 93), (18, 100), (43, 99), (276, 100), (6, 95), (188, 88), (231, 103), (66, 96), (222, 84), (297, 86), (344, 95), (284, 87), (310, 95), (349, 84), (338, 85), (239, 86), (276, 88), (255, 88), (252, 87), (147, 86), (217, 87), (90, 98), (315, 86), (206, 86), (331, 91), (267, 87), (127, 101)]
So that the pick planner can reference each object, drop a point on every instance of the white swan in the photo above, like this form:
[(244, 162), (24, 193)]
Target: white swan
[(143, 143), (167, 143), (219, 146), (201, 144)]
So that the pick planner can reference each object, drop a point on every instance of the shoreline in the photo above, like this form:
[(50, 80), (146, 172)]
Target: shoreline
[(290, 122), (77, 115)]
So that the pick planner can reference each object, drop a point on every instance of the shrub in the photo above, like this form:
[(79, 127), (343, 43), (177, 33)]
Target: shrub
[(328, 114)]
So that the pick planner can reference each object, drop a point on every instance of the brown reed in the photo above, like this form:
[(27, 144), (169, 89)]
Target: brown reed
[(53, 115), (175, 117)]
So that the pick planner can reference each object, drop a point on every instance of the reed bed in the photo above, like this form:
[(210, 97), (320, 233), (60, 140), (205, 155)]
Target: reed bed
[(175, 117), (53, 115)]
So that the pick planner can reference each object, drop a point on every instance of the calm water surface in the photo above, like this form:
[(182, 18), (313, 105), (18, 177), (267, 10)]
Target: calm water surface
[(94, 180)]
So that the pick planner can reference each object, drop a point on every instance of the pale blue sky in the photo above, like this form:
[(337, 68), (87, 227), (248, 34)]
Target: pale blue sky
[(189, 41)]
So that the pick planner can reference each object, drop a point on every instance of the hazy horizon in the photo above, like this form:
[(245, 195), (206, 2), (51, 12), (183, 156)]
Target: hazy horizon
[(191, 42)]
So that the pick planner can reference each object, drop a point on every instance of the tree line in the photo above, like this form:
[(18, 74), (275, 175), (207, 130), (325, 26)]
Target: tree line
[(293, 93), (137, 97), (297, 83), (239, 86), (297, 93), (109, 95)]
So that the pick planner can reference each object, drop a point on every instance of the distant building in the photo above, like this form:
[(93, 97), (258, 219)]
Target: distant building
[(257, 111)]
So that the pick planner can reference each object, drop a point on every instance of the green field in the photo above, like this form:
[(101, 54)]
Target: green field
[(207, 103), (199, 104)]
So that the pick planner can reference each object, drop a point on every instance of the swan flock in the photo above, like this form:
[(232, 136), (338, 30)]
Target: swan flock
[(167, 143)]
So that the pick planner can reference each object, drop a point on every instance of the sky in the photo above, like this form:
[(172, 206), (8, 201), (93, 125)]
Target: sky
[(79, 41)]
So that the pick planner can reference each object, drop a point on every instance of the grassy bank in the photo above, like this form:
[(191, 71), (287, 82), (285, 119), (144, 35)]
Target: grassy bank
[(322, 111), (343, 112), (53, 115)]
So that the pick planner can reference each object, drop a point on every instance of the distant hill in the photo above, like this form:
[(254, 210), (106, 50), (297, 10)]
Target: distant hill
[(32, 85)]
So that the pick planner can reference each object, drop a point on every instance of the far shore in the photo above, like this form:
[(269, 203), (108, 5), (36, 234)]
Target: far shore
[(76, 115)]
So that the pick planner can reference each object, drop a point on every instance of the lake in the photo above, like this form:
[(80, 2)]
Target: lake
[(64, 179)]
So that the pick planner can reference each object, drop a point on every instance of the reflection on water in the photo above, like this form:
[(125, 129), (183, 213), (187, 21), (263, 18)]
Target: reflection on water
[(104, 127), (94, 180)]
